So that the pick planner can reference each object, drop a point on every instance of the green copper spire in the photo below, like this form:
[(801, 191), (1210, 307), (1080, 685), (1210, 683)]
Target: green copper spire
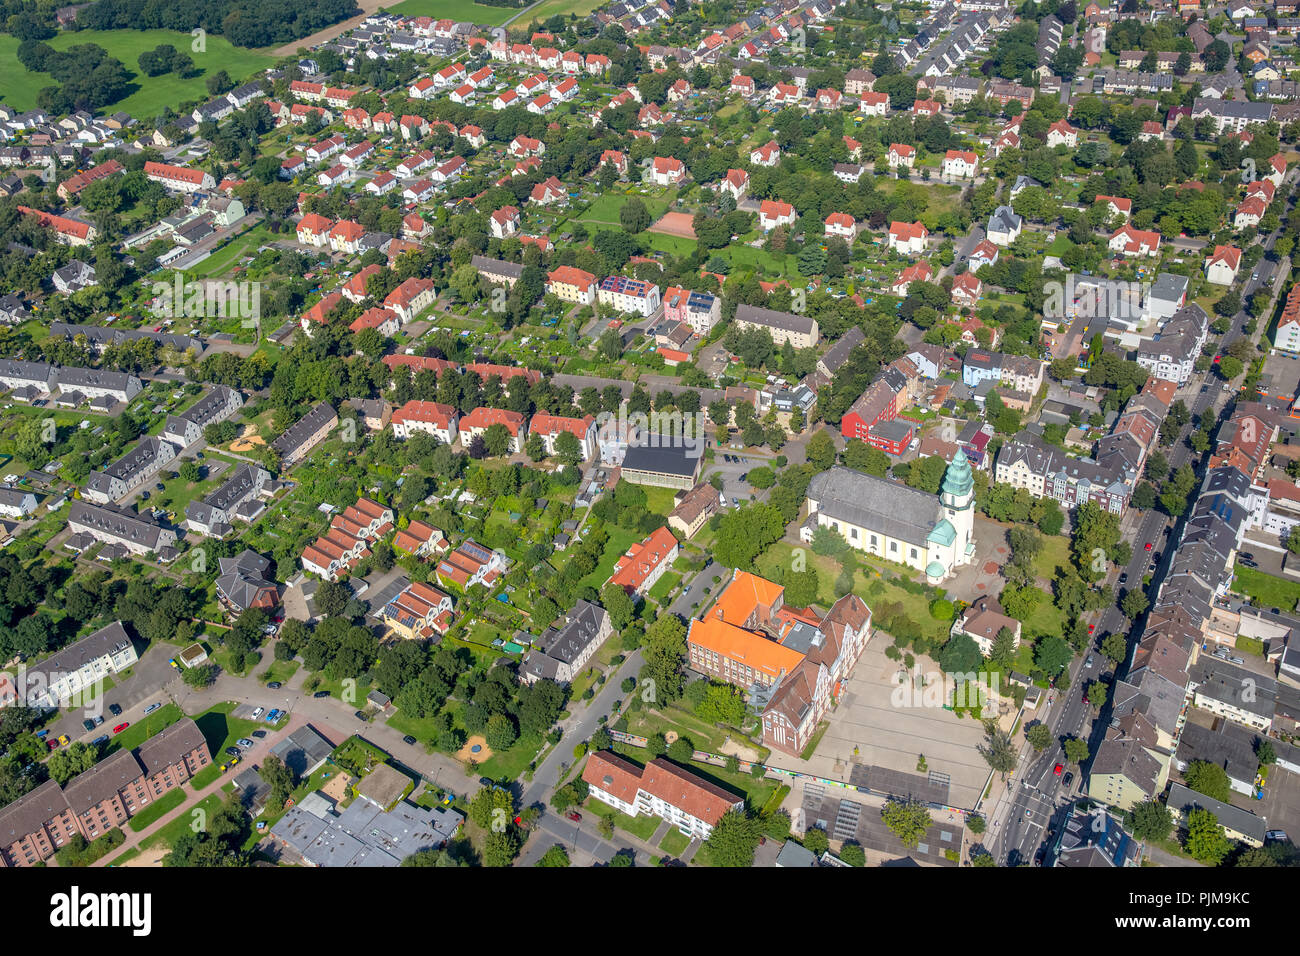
[(957, 480)]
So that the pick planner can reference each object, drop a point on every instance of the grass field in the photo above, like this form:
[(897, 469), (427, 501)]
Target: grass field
[(1272, 591), (152, 94), (157, 810), (455, 10)]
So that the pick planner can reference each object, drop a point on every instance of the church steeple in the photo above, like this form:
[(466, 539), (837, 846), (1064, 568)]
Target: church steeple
[(958, 482)]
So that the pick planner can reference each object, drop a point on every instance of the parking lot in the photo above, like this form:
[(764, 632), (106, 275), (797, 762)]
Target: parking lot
[(741, 464), (893, 736)]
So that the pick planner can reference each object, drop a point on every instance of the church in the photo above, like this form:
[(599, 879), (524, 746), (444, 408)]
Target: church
[(892, 521)]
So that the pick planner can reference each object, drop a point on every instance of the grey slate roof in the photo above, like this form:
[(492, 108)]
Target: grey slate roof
[(893, 509)]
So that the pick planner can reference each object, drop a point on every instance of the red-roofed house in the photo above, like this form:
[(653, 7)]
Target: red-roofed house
[(505, 221), (874, 104), (645, 562), (411, 298), (966, 290), (667, 171), (550, 427), (384, 321), (1221, 267), (900, 154), (345, 235), (841, 224), (319, 312), (908, 238), (616, 159), (550, 191), (773, 213), (354, 290), (1061, 133), (919, 271), (662, 789), (960, 164), (767, 155), (1118, 205), (481, 419), (1135, 242), (179, 178), (314, 230), (432, 418), (735, 184)]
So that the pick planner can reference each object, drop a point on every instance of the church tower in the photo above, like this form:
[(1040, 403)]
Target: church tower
[(958, 498)]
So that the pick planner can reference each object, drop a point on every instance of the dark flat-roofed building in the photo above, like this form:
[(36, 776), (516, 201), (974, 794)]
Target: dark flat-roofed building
[(667, 465)]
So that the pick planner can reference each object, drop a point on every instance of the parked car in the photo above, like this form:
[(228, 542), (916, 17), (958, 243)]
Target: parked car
[(244, 742), (151, 708), (232, 751), (1057, 769), (273, 716), (259, 712), (102, 739), (1067, 780), (115, 710), (360, 715), (408, 739), (88, 724), (574, 815), (98, 720), (118, 729), (321, 693), (274, 685), (259, 734)]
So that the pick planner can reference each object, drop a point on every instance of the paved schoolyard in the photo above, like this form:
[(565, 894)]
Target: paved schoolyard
[(892, 736)]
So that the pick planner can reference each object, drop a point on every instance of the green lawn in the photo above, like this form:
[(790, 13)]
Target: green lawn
[(620, 539), (221, 730), (151, 95), (130, 854), (606, 208), (279, 671), (143, 729), (1270, 590), (641, 827), (173, 831), (675, 843), (456, 10), (665, 585), (157, 810)]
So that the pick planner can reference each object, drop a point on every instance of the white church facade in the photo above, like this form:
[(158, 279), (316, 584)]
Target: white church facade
[(934, 535)]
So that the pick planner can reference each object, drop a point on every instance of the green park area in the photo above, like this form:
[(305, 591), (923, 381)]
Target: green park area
[(151, 95)]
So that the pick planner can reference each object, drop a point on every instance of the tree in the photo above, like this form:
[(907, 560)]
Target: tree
[(733, 840), (1205, 838), (280, 778), (200, 676), (853, 854), (1152, 821), (1134, 604), (997, 749), (664, 651), (497, 440), (1076, 750), (820, 451), (816, 841), (1209, 779), (634, 217), (1114, 648), (907, 819), (556, 856), (1039, 736), (501, 848)]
